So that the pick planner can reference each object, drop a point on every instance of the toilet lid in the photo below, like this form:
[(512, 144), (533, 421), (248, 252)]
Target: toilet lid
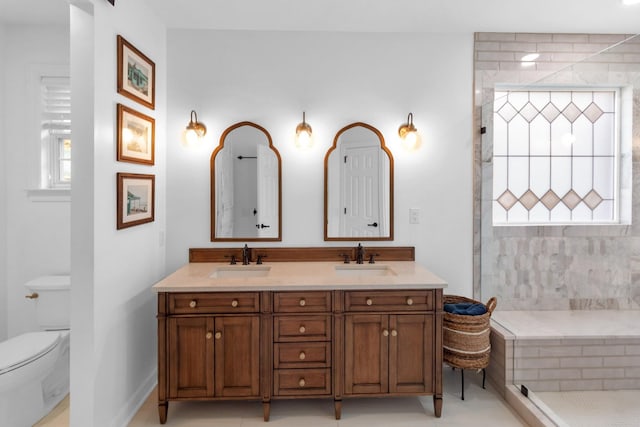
[(20, 350)]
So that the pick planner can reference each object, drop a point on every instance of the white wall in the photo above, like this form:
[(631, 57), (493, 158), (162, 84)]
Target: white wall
[(337, 78), (3, 198), (37, 233), (113, 307)]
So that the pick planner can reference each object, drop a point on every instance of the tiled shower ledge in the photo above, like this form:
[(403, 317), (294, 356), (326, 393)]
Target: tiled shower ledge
[(570, 324), (563, 350), (567, 350)]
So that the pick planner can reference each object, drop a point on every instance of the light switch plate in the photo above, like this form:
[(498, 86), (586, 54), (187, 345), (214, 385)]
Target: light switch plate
[(414, 216)]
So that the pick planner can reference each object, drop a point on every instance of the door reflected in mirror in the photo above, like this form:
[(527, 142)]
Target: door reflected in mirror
[(245, 186), (358, 186)]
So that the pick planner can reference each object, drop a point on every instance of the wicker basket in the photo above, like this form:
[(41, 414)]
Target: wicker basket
[(466, 338)]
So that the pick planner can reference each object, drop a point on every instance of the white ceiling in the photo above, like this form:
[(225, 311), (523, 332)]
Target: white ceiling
[(570, 16), (565, 16), (34, 11)]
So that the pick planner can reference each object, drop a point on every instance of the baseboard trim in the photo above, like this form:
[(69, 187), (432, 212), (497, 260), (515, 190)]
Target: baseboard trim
[(135, 402)]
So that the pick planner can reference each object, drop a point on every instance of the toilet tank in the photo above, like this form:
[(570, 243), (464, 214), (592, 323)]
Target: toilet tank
[(53, 303)]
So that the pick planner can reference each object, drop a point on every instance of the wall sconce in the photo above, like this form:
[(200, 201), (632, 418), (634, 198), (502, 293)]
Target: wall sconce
[(303, 134), (408, 133), (194, 132)]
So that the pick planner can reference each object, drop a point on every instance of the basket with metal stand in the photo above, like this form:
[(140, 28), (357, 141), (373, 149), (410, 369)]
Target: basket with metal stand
[(466, 338)]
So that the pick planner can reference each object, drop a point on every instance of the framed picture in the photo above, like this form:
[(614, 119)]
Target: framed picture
[(136, 199), (136, 136), (136, 74)]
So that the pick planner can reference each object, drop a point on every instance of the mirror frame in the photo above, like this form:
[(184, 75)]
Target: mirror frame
[(326, 184), (213, 187)]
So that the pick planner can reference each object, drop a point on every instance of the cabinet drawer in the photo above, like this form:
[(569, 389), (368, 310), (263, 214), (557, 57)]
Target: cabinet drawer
[(302, 355), (302, 328), (219, 302), (409, 300), (302, 382), (301, 302)]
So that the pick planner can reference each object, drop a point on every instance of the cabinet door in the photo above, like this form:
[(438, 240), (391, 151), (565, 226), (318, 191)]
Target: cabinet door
[(366, 343), (237, 361), (411, 354), (191, 357)]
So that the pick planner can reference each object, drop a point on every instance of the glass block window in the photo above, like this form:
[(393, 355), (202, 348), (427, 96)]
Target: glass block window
[(555, 156)]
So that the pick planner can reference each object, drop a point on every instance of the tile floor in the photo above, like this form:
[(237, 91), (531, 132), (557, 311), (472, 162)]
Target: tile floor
[(481, 408), (616, 408)]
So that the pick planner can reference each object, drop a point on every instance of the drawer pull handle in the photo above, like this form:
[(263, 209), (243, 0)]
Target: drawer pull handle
[(209, 335), (193, 304), (394, 333), (385, 332), (302, 329), (302, 382), (369, 301), (234, 303), (409, 301), (218, 335), (302, 356), (302, 302)]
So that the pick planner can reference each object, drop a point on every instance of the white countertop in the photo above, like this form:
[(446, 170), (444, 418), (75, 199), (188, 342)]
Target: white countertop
[(299, 276)]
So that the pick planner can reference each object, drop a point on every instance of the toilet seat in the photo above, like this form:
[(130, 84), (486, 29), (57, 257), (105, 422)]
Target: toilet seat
[(23, 349)]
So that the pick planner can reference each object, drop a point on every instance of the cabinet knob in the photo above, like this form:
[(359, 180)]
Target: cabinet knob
[(302, 356), (193, 304), (234, 303), (369, 301), (209, 335), (394, 333), (218, 335), (33, 295), (302, 382), (302, 302), (409, 301), (385, 333), (302, 329)]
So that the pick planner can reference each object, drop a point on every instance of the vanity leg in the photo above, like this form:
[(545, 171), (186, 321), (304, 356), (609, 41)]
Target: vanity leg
[(162, 411), (266, 410), (337, 404), (437, 405)]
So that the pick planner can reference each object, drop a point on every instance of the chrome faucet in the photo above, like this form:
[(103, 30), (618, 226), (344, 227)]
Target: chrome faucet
[(359, 254), (246, 255)]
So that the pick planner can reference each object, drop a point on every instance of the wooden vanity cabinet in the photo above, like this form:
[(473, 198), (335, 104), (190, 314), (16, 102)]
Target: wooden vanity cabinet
[(208, 347), (392, 344), (214, 356), (302, 350), (286, 345), (388, 354)]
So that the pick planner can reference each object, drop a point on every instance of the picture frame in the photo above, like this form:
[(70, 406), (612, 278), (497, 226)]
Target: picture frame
[(136, 74), (136, 199), (136, 136)]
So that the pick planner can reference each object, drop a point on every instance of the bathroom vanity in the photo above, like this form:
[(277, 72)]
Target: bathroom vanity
[(294, 328)]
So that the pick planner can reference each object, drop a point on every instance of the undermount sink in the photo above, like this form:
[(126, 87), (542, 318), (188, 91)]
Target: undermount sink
[(364, 270), (240, 271)]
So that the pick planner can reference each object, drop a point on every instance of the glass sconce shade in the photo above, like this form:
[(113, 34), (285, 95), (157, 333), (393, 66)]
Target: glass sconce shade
[(195, 131), (303, 134), (408, 133)]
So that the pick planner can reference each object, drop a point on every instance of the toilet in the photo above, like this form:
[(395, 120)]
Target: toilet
[(34, 366)]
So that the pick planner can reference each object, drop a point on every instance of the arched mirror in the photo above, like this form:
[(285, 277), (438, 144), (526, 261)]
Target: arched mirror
[(245, 186), (358, 186)]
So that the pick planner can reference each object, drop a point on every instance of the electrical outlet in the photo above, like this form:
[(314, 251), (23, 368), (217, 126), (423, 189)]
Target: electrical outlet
[(414, 216)]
